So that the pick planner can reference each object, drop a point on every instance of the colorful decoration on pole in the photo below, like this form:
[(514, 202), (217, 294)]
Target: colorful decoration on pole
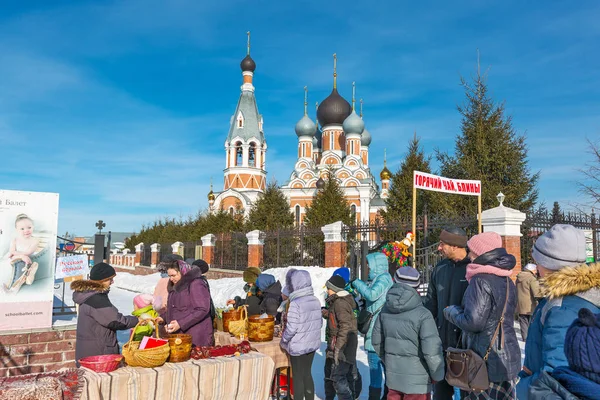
[(435, 183), (398, 252), (69, 246)]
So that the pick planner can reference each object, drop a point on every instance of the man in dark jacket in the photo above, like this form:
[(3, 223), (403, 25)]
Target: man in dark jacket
[(98, 320), (447, 287), (269, 293), (342, 334)]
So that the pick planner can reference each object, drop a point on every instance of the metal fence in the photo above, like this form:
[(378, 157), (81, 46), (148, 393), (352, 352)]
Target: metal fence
[(537, 223), (370, 236), (146, 256), (299, 246), (190, 249), (231, 251), (63, 305)]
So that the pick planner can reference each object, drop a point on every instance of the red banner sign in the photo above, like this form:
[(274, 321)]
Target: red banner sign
[(423, 180)]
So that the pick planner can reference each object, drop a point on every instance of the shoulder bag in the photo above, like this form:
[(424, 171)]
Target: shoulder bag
[(365, 318), (466, 369)]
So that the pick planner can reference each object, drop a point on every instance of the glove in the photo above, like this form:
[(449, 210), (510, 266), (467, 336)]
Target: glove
[(336, 356), (450, 310)]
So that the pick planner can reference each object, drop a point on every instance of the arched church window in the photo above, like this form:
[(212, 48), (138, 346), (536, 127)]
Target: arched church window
[(240, 121), (231, 210), (252, 155), (353, 210), (239, 154), (297, 215)]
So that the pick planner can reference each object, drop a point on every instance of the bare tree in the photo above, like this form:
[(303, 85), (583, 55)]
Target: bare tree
[(590, 185)]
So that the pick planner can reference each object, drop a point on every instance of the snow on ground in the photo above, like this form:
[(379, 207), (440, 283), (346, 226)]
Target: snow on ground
[(225, 288), (127, 286)]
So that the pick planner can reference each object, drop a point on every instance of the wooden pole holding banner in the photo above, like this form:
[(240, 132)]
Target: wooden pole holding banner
[(479, 212), (414, 221)]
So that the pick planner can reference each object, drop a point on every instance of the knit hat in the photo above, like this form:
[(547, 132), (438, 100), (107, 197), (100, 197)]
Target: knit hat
[(336, 283), (454, 237), (531, 267), (484, 242), (250, 274), (409, 276), (344, 273), (560, 246), (581, 345), (264, 281), (102, 272), (203, 265)]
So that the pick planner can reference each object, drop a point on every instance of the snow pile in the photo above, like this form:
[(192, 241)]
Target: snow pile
[(137, 283), (226, 288)]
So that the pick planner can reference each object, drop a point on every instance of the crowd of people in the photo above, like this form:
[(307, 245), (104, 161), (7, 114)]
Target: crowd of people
[(471, 303)]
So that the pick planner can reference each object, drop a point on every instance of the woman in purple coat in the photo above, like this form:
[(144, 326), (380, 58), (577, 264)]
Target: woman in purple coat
[(188, 305), (302, 333)]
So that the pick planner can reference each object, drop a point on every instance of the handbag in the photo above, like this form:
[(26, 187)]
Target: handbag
[(364, 319), (241, 325), (466, 369)]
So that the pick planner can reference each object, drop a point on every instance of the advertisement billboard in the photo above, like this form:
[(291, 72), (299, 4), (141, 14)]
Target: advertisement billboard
[(28, 227)]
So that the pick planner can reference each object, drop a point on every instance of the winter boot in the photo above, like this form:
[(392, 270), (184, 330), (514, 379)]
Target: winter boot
[(374, 393)]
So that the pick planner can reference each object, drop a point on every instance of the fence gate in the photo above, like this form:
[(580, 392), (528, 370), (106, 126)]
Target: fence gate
[(364, 238)]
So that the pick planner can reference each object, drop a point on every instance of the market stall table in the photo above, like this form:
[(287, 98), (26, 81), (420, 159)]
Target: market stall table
[(271, 348), (248, 376)]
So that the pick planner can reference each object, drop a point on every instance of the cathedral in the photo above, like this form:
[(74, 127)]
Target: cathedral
[(337, 140)]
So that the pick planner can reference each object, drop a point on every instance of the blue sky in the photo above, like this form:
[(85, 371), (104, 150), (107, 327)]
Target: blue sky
[(123, 107)]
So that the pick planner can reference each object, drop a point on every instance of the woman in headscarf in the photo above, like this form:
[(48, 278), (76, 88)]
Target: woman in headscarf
[(188, 306)]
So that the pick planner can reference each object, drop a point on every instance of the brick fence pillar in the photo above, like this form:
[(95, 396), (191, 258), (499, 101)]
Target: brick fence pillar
[(178, 248), (256, 244), (507, 223), (154, 260), (335, 245), (139, 253), (208, 248)]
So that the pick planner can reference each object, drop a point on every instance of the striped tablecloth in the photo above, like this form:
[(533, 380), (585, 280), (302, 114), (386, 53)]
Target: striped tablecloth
[(248, 376), (271, 349)]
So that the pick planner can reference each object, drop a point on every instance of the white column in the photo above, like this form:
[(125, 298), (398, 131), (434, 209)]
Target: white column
[(245, 148), (503, 220), (333, 232), (177, 247), (255, 237), (208, 240)]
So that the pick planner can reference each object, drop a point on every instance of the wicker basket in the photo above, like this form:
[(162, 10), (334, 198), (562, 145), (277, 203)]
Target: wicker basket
[(104, 363), (261, 329), (232, 315), (181, 347), (149, 358)]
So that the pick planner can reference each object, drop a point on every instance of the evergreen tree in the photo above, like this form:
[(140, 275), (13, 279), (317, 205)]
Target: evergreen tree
[(489, 149), (399, 201), (556, 213), (328, 205), (270, 211)]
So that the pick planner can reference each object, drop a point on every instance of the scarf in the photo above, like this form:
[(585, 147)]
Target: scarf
[(184, 267), (307, 291), (578, 385), (475, 269)]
